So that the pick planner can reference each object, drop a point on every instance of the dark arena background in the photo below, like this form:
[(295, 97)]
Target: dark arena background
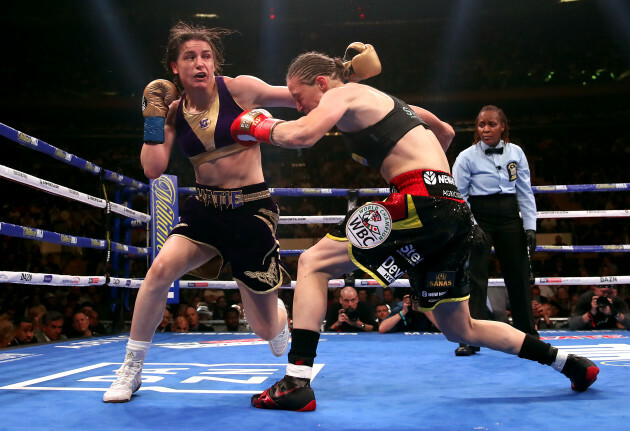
[(73, 75)]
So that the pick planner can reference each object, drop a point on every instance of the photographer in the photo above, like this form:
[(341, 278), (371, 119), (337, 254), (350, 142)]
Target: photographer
[(405, 319), (600, 309), (350, 315)]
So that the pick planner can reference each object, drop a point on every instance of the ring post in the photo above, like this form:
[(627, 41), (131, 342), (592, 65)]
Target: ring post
[(164, 217)]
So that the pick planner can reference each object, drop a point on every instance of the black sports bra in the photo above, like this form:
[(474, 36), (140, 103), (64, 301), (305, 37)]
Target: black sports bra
[(371, 145)]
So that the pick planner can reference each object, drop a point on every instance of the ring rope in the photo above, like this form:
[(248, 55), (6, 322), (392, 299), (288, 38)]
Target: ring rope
[(138, 218), (59, 154), (56, 189), (70, 240), (67, 280), (307, 191), (540, 215)]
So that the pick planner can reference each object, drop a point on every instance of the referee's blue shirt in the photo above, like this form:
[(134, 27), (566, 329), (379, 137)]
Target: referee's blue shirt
[(479, 174)]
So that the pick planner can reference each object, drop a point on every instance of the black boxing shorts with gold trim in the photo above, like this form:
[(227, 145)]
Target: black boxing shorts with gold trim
[(240, 225), (423, 228)]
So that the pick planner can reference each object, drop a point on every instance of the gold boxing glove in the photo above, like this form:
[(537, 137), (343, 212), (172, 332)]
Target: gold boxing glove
[(156, 98), (360, 62)]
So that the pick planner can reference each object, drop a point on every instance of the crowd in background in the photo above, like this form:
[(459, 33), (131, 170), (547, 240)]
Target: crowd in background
[(580, 143)]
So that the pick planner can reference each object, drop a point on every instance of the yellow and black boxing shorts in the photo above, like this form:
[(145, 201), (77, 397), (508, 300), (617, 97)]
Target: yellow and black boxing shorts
[(240, 225), (423, 228)]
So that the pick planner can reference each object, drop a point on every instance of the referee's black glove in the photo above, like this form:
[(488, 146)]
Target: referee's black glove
[(531, 241), (480, 242)]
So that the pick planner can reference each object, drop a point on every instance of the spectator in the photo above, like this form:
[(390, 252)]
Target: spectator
[(165, 324), (52, 327), (405, 319), (81, 326), (7, 333), (542, 314), (193, 321), (220, 306), (24, 332), (382, 312), (180, 324), (232, 320), (350, 315), (600, 309), (389, 298)]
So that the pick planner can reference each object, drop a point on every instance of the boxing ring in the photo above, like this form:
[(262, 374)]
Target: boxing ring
[(406, 381)]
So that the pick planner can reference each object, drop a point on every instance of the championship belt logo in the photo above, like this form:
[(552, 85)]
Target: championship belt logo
[(369, 225)]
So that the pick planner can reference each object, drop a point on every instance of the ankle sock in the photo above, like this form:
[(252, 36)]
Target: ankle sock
[(138, 349), (536, 350)]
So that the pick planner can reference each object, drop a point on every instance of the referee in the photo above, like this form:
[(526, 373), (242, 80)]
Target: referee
[(493, 176)]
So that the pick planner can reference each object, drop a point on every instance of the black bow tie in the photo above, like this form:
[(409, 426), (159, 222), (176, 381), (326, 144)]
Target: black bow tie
[(494, 150)]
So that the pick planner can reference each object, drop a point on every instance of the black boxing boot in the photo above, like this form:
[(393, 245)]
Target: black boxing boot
[(581, 371), (466, 350), (290, 393)]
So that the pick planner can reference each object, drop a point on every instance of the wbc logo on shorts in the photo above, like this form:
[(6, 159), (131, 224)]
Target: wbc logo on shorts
[(369, 225)]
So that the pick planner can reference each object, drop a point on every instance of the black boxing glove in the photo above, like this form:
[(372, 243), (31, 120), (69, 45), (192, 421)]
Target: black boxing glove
[(531, 241), (480, 240)]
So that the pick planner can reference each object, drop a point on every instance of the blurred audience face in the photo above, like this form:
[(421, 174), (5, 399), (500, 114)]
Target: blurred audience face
[(231, 319), (24, 333), (382, 311), (166, 318), (53, 329), (80, 322), (192, 316), (388, 296), (180, 324)]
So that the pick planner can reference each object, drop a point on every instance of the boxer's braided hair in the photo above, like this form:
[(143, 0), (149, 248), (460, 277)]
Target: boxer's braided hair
[(308, 66)]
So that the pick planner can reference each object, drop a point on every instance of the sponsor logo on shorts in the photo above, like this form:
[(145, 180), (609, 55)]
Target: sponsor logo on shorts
[(440, 279), (410, 254), (389, 270), (369, 226)]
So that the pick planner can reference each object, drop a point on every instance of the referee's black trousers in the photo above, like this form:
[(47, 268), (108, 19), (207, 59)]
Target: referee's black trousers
[(498, 216)]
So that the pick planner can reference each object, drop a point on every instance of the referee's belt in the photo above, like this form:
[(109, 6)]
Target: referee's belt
[(228, 199)]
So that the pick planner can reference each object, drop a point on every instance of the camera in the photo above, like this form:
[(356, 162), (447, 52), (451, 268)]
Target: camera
[(352, 313), (602, 302)]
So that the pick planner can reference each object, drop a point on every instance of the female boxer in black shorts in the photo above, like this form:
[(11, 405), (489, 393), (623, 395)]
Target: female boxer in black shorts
[(423, 228), (232, 218)]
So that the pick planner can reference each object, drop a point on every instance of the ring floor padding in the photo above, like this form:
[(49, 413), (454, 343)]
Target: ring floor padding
[(203, 381)]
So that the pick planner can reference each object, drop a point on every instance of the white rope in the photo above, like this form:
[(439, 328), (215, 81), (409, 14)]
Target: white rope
[(70, 280), (541, 214), (56, 189)]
